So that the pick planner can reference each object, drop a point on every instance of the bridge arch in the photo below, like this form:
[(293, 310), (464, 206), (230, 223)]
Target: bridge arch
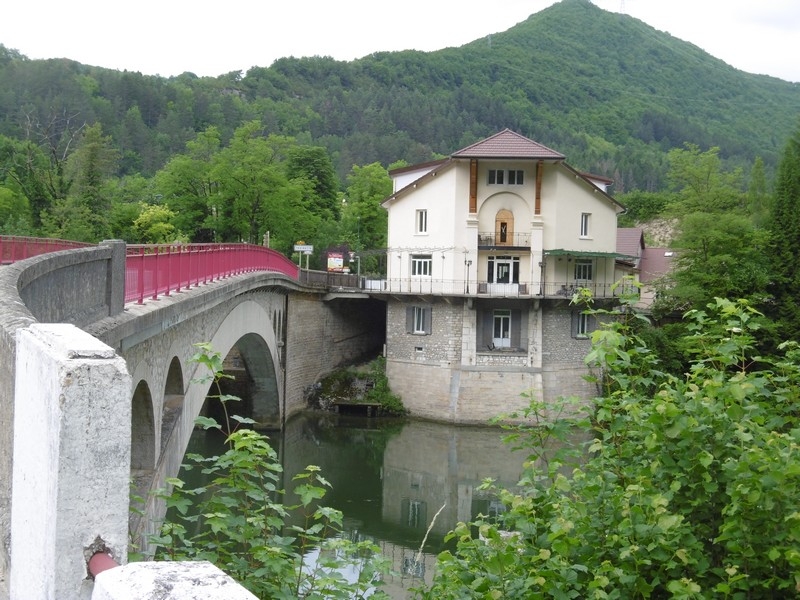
[(248, 327), (173, 400), (143, 446)]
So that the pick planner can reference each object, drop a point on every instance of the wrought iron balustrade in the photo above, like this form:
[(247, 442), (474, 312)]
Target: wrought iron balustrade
[(495, 239)]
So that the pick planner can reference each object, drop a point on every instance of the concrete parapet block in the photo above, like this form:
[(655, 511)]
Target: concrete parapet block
[(168, 581), (71, 468), (115, 282)]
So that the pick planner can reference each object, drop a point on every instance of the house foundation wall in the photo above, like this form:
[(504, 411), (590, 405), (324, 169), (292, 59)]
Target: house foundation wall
[(440, 376)]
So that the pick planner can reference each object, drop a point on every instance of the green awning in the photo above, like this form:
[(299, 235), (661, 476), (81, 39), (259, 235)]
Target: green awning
[(588, 254)]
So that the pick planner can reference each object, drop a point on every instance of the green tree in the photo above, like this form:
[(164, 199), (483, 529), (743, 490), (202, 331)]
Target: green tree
[(24, 167), (88, 203), (721, 255), (127, 194), (701, 183), (88, 167), (255, 196), (758, 198), (15, 217), (364, 220), (186, 186), (154, 226), (314, 164), (784, 225)]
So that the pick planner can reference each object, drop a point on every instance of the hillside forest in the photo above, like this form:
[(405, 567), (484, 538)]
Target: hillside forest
[(300, 150)]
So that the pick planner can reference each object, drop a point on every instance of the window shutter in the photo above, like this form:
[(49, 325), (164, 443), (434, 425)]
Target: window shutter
[(409, 319), (516, 328), (574, 324), (428, 320)]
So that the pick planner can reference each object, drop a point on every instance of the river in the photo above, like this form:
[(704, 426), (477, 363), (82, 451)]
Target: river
[(390, 477)]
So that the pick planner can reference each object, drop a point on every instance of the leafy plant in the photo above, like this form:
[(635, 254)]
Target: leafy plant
[(237, 520), (689, 489), (350, 384)]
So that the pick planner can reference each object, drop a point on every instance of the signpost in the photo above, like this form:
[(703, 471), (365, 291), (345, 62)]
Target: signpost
[(303, 248)]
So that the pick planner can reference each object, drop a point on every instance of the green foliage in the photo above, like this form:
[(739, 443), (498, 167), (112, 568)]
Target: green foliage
[(343, 384), (721, 255), (391, 404), (363, 214), (688, 489), (153, 226), (784, 226), (237, 520), (614, 99), (701, 182), (641, 207)]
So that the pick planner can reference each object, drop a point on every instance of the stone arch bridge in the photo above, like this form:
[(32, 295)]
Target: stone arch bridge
[(281, 329)]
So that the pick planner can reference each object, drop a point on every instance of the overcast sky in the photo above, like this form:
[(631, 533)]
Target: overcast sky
[(169, 37)]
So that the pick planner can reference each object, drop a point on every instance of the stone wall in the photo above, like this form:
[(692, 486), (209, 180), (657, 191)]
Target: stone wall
[(442, 346), (563, 369), (437, 376), (325, 335), (444, 376)]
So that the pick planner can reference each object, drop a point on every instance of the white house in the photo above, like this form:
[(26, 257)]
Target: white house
[(486, 248)]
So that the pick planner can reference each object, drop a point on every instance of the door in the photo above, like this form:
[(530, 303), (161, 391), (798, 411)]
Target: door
[(503, 275), (501, 336)]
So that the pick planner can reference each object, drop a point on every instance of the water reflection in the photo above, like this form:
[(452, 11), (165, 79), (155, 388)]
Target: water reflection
[(391, 477)]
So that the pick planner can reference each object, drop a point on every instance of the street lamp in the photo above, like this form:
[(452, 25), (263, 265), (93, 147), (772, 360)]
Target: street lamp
[(467, 264), (357, 258)]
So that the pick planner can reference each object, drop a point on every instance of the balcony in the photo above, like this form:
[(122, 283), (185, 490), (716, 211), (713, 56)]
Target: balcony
[(560, 290), (511, 241)]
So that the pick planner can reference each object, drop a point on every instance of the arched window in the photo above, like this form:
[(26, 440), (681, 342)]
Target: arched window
[(504, 228)]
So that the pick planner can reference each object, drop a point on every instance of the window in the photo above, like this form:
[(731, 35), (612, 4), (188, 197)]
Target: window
[(515, 177), (418, 320), (422, 221), (421, 265), (582, 324), (496, 177), (583, 270), (585, 218)]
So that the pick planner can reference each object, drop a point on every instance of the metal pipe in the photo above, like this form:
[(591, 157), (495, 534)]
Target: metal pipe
[(100, 562)]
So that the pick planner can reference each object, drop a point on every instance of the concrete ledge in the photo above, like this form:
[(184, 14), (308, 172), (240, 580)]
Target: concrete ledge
[(168, 581), (72, 442)]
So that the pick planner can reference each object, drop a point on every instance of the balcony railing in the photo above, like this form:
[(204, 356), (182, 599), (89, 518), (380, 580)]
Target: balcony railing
[(499, 240), (439, 287)]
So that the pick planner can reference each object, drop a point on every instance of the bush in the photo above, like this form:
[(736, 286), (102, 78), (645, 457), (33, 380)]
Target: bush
[(689, 490)]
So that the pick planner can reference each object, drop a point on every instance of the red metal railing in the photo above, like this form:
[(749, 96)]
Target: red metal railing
[(14, 248), (158, 270)]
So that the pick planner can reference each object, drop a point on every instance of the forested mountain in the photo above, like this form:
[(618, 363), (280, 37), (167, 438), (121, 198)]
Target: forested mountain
[(608, 91)]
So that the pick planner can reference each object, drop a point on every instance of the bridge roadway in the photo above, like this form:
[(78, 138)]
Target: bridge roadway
[(286, 335)]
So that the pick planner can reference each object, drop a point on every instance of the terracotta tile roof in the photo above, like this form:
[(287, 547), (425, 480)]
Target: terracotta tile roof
[(655, 263), (630, 241), (508, 144)]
